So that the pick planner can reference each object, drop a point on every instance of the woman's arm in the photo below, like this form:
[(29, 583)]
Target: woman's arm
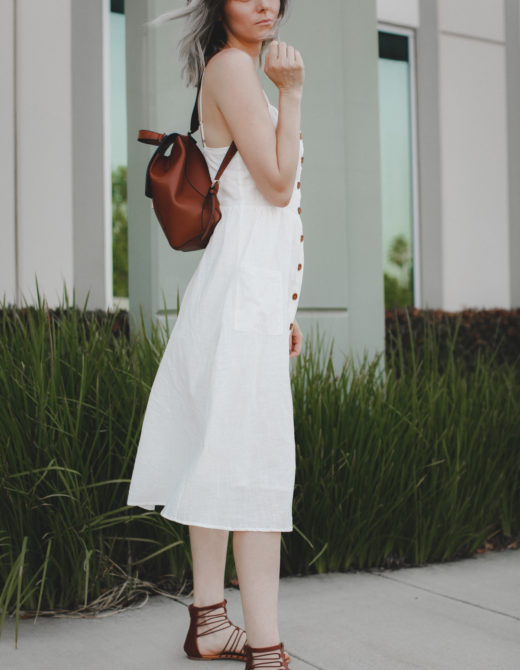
[(270, 156)]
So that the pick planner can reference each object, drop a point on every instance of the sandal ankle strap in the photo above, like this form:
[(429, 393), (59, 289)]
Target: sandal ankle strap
[(201, 608)]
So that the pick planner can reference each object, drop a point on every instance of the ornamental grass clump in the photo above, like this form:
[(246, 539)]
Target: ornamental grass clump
[(398, 462), (405, 463), (72, 401)]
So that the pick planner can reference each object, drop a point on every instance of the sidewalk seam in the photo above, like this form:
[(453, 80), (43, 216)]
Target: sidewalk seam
[(309, 663), (445, 595)]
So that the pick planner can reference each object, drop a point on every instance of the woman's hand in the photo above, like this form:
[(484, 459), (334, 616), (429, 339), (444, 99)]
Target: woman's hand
[(284, 67), (295, 340)]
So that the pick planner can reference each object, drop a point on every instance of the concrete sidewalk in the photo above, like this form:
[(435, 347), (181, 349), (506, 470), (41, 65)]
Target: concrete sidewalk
[(463, 615)]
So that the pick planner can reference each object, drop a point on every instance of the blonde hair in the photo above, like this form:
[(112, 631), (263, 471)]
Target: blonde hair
[(204, 35)]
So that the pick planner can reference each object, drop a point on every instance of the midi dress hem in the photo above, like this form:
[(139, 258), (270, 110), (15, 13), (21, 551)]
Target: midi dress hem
[(173, 517)]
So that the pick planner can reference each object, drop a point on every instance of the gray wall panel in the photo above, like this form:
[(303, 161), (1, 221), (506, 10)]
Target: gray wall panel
[(8, 252), (340, 178), (512, 8)]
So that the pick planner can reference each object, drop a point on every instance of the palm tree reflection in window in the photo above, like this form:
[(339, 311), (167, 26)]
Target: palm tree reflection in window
[(399, 289)]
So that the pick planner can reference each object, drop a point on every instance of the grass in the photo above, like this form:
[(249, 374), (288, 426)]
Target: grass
[(397, 463), (402, 467)]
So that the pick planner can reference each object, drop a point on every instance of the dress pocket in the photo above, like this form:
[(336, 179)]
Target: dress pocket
[(258, 300)]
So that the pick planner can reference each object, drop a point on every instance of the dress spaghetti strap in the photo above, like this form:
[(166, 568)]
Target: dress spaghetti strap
[(200, 110)]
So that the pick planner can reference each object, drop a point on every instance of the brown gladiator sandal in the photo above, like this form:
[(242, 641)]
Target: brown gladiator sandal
[(259, 658), (202, 615)]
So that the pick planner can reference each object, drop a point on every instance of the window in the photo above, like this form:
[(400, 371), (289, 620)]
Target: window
[(398, 168), (119, 158)]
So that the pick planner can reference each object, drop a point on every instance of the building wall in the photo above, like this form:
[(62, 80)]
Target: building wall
[(55, 174), (55, 188), (7, 162), (512, 22), (44, 156), (92, 187), (428, 86), (468, 88), (37, 201), (473, 117), (399, 12)]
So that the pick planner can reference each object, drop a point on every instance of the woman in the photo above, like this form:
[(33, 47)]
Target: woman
[(217, 444)]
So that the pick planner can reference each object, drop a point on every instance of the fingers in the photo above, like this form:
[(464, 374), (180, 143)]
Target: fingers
[(272, 57), (295, 344), (284, 65), (282, 52)]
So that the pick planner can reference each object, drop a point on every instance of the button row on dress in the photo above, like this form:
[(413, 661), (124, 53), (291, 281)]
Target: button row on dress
[(295, 295), (298, 185)]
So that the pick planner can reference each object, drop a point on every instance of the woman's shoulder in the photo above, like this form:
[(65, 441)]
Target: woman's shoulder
[(230, 60)]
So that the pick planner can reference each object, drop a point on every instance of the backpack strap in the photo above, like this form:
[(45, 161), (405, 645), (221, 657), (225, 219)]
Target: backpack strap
[(226, 161), (151, 137), (194, 127)]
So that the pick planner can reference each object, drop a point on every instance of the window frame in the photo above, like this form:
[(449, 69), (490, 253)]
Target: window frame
[(409, 33)]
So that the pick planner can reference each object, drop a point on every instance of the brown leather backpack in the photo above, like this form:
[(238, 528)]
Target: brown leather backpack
[(183, 196)]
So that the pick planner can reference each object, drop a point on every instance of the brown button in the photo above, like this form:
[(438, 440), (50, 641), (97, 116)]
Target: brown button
[(291, 325), (299, 266), (294, 296), (301, 160), (301, 238), (298, 184), (299, 210)]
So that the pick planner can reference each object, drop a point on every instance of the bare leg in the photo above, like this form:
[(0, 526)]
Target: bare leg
[(257, 560), (208, 550)]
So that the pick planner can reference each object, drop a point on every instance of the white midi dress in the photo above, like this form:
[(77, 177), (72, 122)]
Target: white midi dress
[(217, 446)]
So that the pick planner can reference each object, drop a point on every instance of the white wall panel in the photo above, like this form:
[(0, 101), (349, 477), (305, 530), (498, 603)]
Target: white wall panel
[(44, 120), (400, 12), (478, 18), (474, 173)]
